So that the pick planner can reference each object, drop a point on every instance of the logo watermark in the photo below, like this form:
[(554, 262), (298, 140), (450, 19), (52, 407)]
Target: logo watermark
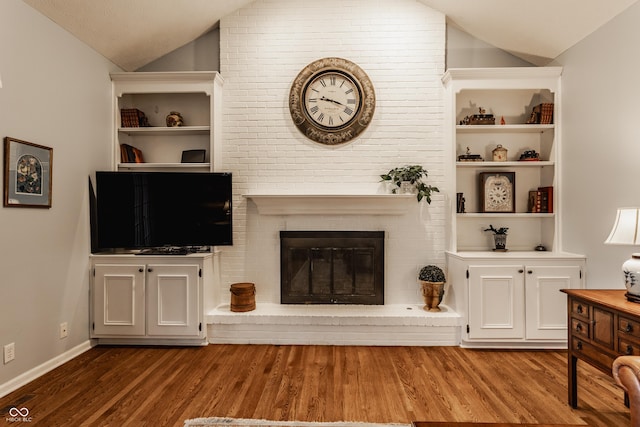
[(18, 415)]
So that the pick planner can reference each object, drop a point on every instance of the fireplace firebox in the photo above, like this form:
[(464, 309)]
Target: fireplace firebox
[(332, 267)]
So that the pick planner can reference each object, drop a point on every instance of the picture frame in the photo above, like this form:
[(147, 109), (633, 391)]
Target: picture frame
[(497, 192), (28, 170)]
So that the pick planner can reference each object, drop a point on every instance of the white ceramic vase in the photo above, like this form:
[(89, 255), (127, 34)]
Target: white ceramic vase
[(631, 271)]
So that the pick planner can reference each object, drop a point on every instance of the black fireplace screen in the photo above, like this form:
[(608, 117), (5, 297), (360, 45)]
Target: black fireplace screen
[(332, 267)]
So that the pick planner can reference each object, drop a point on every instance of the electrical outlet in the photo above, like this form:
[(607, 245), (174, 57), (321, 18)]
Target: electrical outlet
[(64, 330), (9, 352)]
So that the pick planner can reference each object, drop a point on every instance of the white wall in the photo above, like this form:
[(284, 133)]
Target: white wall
[(56, 92), (400, 44), (466, 51), (202, 54), (601, 143)]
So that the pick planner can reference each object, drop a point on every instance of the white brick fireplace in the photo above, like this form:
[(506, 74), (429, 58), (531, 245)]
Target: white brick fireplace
[(400, 44)]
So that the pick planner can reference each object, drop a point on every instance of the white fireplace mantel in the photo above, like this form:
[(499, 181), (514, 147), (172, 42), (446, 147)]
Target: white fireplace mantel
[(332, 204)]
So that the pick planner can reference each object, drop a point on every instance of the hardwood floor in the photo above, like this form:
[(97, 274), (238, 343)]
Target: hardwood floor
[(143, 386)]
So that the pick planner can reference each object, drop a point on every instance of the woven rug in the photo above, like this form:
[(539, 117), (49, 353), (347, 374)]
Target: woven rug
[(243, 422)]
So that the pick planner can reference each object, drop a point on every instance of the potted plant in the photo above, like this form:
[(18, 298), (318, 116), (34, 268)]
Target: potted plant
[(432, 280), (410, 179), (499, 237)]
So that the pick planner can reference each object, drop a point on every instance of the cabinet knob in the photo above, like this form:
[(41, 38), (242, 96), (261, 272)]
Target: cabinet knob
[(529, 271), (629, 350), (579, 346), (150, 270), (579, 327), (579, 309), (629, 328), (520, 271), (140, 270)]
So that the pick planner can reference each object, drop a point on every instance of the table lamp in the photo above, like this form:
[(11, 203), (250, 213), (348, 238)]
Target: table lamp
[(626, 231)]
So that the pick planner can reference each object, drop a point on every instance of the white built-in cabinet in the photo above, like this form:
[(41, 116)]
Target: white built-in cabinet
[(159, 299), (514, 300), (196, 95), (141, 299), (508, 299)]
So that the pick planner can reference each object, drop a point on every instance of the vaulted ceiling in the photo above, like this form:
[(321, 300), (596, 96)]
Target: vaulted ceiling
[(132, 33)]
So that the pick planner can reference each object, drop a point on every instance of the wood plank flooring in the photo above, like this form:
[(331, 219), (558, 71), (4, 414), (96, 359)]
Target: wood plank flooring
[(145, 386)]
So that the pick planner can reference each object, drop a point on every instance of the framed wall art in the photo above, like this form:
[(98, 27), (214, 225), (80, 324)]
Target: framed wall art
[(27, 174)]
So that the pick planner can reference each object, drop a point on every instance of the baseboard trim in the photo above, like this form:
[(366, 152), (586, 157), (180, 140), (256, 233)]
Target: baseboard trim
[(38, 371)]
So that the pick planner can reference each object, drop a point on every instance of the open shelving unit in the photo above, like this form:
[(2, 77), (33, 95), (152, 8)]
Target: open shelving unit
[(507, 298), (195, 94), (509, 94)]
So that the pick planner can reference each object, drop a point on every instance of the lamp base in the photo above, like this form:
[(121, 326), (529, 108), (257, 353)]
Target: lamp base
[(631, 297), (631, 271)]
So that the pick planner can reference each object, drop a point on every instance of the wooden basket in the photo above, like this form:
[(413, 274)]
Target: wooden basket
[(243, 297)]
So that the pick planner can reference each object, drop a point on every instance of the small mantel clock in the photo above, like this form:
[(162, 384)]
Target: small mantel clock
[(497, 192)]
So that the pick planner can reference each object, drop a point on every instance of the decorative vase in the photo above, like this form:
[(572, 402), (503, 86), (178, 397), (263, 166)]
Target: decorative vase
[(631, 271), (432, 292), (406, 187), (174, 119), (500, 241)]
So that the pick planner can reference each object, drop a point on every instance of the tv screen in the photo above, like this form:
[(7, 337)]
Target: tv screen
[(140, 210)]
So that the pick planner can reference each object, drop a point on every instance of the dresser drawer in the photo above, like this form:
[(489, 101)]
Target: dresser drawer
[(580, 309), (598, 358), (627, 347), (629, 327), (580, 328)]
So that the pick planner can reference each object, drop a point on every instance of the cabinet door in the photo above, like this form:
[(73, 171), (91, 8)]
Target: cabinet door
[(173, 300), (546, 306), (118, 300), (496, 302)]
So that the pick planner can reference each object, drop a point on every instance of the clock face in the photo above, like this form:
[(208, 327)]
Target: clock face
[(332, 100), (497, 192), (498, 196)]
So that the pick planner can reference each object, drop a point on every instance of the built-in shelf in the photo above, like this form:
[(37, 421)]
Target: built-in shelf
[(182, 166), (157, 130), (535, 164), (332, 204), (523, 215), (504, 128)]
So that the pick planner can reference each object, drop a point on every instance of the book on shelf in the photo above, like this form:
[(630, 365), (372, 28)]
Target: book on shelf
[(541, 200), (130, 154), (133, 118), (546, 113), (542, 114)]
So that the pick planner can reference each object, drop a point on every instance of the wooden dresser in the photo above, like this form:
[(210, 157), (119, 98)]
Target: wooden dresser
[(602, 326)]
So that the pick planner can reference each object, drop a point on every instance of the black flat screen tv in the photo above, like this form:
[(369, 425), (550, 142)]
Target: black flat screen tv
[(146, 210)]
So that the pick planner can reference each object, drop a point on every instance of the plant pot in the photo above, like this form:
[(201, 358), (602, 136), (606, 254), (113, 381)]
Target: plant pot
[(432, 292), (500, 241), (406, 187)]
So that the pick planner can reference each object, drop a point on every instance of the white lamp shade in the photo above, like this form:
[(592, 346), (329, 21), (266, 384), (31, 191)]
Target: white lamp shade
[(625, 230)]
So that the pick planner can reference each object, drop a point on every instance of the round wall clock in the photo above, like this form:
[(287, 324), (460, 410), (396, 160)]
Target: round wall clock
[(332, 101), (497, 191)]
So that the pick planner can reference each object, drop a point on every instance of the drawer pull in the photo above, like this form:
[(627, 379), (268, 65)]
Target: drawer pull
[(579, 346), (579, 309), (629, 328), (140, 270), (521, 271), (579, 327), (629, 350)]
